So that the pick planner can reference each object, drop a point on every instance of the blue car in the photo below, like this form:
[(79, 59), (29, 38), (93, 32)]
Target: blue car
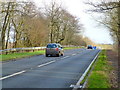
[(94, 47)]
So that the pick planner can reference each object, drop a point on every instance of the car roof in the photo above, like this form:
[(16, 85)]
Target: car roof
[(89, 45)]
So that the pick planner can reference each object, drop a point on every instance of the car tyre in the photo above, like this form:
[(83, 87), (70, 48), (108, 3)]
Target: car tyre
[(62, 54)]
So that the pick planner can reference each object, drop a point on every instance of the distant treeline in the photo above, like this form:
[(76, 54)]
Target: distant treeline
[(25, 25)]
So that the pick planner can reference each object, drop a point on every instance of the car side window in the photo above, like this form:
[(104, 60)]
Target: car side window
[(58, 46)]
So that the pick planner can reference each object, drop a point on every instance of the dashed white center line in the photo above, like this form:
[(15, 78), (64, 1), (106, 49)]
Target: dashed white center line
[(31, 68), (2, 78), (46, 63), (65, 57), (12, 75), (73, 54)]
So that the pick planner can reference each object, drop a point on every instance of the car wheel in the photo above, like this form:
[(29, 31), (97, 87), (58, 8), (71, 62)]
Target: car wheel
[(62, 54)]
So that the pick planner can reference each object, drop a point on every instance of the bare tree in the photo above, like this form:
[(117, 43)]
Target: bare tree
[(112, 11), (5, 22), (61, 24), (53, 14), (30, 27), (112, 21)]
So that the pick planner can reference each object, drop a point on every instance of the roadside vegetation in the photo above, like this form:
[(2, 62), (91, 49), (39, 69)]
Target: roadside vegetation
[(20, 55), (12, 56), (67, 48), (111, 11), (99, 77), (23, 24)]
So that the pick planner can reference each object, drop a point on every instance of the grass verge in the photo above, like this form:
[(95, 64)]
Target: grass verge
[(67, 48), (99, 77), (20, 55), (26, 54)]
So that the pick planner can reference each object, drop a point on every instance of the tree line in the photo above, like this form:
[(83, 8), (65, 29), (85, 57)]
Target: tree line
[(25, 25)]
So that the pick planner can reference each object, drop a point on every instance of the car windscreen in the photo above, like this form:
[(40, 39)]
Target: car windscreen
[(51, 46), (89, 46)]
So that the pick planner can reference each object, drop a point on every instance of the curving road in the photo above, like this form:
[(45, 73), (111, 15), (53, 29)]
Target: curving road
[(47, 72)]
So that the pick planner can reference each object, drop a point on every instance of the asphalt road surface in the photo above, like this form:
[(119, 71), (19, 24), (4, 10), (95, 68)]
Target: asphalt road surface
[(47, 72)]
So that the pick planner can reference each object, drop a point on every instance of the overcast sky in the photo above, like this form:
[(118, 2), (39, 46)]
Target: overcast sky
[(92, 29)]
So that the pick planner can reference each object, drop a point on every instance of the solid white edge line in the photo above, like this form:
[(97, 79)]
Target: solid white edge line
[(12, 75), (46, 63), (75, 86), (84, 74)]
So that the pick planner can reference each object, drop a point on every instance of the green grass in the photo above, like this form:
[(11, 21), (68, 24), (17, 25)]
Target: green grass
[(20, 55), (26, 54), (67, 48), (99, 76)]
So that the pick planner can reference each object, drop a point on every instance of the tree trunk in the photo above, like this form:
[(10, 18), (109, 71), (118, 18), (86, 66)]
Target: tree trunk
[(15, 34), (119, 45), (5, 24), (7, 37)]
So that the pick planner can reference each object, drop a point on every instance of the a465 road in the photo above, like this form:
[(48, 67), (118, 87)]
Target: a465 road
[(47, 72)]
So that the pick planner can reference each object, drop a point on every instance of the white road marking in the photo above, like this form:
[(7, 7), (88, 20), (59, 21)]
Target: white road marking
[(65, 57), (24, 71), (75, 86), (73, 54), (84, 74), (46, 63), (12, 75), (71, 85)]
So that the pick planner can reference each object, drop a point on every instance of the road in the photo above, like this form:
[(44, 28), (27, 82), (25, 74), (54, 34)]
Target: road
[(47, 72)]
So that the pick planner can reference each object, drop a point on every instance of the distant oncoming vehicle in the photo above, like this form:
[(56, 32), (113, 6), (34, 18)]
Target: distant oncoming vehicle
[(89, 47), (54, 49), (94, 47)]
